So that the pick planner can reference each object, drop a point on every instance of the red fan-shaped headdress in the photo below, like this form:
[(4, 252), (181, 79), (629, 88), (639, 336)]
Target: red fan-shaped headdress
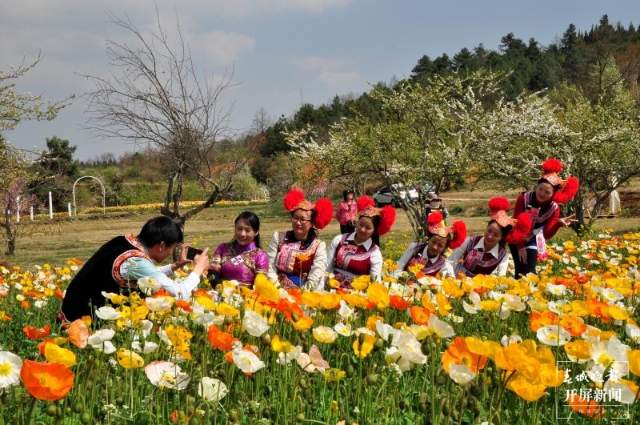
[(456, 233), (367, 208), (323, 207), (520, 227), (565, 190)]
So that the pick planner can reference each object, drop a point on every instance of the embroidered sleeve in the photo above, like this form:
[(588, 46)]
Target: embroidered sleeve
[(261, 261), (552, 225), (331, 252), (458, 253), (315, 279), (404, 260), (216, 258), (272, 252)]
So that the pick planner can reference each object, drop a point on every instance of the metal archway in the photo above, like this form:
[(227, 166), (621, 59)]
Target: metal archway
[(104, 194)]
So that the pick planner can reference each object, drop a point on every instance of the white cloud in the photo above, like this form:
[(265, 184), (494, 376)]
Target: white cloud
[(222, 48), (333, 72)]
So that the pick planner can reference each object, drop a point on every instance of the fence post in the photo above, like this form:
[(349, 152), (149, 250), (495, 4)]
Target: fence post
[(50, 207), (17, 209), (31, 212), (69, 208)]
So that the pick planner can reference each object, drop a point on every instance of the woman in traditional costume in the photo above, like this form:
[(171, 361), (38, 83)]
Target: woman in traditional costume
[(430, 253), (487, 254), (358, 253), (242, 258), (346, 212), (298, 258), (542, 204)]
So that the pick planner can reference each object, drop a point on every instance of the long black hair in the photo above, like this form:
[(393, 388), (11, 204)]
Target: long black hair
[(346, 193), (160, 229), (253, 220)]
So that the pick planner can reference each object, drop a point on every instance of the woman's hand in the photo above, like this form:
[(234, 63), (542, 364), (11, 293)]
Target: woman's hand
[(215, 267), (201, 262), (568, 221)]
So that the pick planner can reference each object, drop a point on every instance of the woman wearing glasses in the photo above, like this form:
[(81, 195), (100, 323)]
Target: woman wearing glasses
[(297, 258)]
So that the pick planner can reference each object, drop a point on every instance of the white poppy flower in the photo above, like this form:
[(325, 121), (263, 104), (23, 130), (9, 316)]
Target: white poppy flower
[(461, 374), (343, 329), (212, 389), (159, 304), (10, 366), (620, 392), (441, 328), (148, 285), (246, 360), (107, 313), (254, 324), (166, 375), (553, 335), (286, 358), (345, 311), (385, 330)]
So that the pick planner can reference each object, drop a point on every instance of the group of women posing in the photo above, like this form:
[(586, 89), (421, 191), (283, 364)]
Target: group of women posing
[(298, 258)]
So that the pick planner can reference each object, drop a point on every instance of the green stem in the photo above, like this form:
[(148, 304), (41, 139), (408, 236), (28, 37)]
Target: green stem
[(32, 408)]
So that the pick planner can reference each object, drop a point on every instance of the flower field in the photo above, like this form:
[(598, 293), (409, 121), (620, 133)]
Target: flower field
[(561, 347)]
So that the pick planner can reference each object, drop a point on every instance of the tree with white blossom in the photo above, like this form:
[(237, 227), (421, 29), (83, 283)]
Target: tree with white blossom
[(598, 140), (430, 134)]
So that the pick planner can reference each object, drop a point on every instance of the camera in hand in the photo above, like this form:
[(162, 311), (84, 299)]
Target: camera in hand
[(192, 252)]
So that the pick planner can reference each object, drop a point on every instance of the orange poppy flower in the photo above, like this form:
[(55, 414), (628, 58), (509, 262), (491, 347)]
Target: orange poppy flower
[(78, 333), (46, 381), (419, 315), (184, 305), (200, 293), (161, 293), (458, 353), (573, 324), (288, 309), (223, 341), (398, 302), (58, 293), (36, 333), (589, 408), (539, 319)]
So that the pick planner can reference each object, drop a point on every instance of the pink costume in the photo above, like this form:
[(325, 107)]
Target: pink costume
[(240, 263)]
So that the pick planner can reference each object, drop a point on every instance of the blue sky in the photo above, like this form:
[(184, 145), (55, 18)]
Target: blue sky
[(282, 52)]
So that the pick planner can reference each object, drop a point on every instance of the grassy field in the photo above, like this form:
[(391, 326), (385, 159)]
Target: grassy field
[(55, 242)]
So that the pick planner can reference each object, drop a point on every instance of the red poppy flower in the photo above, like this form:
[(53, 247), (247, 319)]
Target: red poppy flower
[(36, 333)]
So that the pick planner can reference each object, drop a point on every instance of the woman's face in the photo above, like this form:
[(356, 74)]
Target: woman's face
[(364, 229), (301, 224), (544, 192), (349, 197), (492, 236), (436, 246), (244, 232)]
